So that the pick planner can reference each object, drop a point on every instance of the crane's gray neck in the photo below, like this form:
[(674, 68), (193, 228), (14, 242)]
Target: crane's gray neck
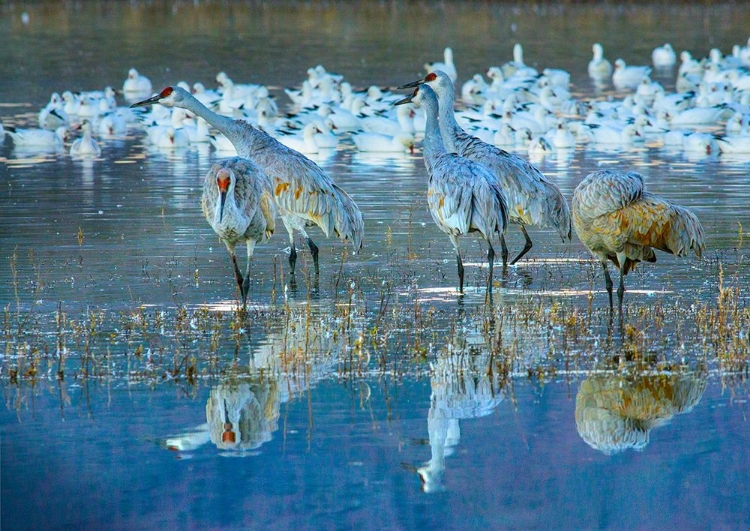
[(218, 121), (245, 138), (433, 141), (449, 128)]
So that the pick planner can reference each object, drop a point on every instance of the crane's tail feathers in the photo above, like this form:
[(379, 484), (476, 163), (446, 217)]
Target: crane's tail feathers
[(559, 213), (565, 230), (687, 233), (347, 222), (635, 255), (503, 217), (268, 210), (504, 212)]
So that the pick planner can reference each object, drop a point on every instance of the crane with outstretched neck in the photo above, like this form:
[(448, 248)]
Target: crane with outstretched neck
[(305, 195)]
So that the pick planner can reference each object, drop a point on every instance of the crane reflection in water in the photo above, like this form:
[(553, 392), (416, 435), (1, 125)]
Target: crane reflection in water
[(615, 412), (464, 385), (242, 411)]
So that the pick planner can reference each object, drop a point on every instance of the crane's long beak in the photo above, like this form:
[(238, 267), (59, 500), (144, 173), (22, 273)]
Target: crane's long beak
[(412, 84), (405, 100), (150, 101), (221, 206)]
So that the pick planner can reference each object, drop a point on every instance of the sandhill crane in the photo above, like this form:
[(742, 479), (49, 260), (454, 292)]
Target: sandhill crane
[(238, 204), (462, 195), (617, 219), (305, 195), (532, 198)]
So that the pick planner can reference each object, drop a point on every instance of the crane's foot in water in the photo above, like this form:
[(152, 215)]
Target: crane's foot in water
[(244, 289), (314, 252), (292, 259)]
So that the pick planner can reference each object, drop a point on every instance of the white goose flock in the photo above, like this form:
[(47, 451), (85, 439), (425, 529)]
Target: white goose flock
[(510, 104)]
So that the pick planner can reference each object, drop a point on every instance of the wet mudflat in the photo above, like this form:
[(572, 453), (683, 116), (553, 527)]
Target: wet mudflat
[(136, 395)]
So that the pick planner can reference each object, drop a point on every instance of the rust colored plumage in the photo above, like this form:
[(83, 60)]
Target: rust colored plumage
[(618, 220)]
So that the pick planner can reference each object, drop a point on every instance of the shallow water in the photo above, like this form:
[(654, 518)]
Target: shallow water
[(124, 354)]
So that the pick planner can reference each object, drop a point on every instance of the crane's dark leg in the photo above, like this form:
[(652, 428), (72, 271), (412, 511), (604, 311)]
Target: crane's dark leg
[(460, 273), (314, 251), (504, 251), (292, 260), (292, 248), (245, 286), (238, 276), (490, 263), (608, 283), (292, 256), (459, 263), (245, 289), (527, 246), (621, 288)]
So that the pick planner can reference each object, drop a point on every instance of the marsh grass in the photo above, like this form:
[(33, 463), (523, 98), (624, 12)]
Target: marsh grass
[(380, 325), (397, 331)]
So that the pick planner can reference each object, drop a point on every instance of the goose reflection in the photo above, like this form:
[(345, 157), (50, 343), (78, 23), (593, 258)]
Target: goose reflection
[(615, 412), (242, 412), (463, 387)]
